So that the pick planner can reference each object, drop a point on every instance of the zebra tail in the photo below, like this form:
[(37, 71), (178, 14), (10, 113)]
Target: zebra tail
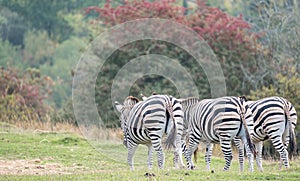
[(248, 137), (249, 141), (292, 141), (169, 143)]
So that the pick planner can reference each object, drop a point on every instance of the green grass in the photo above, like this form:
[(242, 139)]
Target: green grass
[(78, 160)]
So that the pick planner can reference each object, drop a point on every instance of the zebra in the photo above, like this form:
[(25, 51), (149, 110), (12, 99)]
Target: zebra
[(184, 137), (275, 118), (218, 121), (145, 122)]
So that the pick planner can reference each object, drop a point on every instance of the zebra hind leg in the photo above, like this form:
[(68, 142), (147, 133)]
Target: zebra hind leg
[(160, 158), (259, 147), (208, 155), (280, 147), (150, 156), (178, 150), (156, 142), (184, 150), (131, 150), (193, 144), (176, 159), (248, 152), (239, 144), (226, 149)]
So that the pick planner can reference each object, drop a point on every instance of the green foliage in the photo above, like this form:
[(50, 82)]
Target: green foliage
[(46, 16), (288, 86), (48, 36), (83, 26), (12, 26), (9, 54), (42, 15), (38, 49), (64, 60)]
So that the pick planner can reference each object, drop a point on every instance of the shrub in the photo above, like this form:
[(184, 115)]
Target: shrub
[(23, 94)]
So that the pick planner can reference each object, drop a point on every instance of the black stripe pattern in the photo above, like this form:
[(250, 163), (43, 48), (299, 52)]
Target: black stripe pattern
[(275, 118), (217, 121), (147, 121)]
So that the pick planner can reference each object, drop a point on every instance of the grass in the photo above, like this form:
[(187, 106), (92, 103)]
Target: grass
[(71, 157)]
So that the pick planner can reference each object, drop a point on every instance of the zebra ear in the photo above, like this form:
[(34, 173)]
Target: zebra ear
[(144, 97), (244, 98), (154, 93), (118, 106)]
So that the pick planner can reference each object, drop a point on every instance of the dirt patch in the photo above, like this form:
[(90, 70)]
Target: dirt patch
[(31, 167)]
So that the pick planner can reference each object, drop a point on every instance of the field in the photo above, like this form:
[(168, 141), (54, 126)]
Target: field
[(38, 155)]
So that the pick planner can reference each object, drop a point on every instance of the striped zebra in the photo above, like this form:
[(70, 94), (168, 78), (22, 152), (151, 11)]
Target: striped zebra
[(274, 118), (218, 121), (184, 137), (145, 122)]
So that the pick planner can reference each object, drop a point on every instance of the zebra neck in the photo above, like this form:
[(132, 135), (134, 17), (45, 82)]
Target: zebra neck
[(187, 113)]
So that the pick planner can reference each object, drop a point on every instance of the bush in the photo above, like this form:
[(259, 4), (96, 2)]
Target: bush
[(23, 95)]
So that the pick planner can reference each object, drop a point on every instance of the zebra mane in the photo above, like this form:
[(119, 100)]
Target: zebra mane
[(189, 101), (131, 101), (243, 97)]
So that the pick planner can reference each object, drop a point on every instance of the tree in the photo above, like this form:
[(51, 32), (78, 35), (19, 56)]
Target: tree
[(38, 49), (230, 37), (42, 15), (12, 26)]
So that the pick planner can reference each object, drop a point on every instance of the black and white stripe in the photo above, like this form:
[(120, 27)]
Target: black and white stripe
[(274, 118), (147, 121), (218, 121)]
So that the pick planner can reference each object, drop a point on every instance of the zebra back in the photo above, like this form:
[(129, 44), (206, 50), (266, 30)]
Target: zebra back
[(216, 112), (161, 113), (271, 113), (188, 102)]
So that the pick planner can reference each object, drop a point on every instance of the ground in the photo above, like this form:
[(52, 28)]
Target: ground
[(31, 155)]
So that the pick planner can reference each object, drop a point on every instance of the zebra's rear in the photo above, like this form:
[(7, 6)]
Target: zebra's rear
[(219, 121), (149, 120), (274, 118)]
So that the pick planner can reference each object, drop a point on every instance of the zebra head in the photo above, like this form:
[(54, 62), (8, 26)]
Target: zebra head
[(125, 109)]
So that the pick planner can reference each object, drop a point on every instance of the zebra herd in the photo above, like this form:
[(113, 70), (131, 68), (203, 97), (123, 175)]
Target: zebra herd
[(187, 122)]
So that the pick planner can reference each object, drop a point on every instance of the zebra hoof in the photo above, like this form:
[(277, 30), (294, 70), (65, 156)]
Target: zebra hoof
[(149, 174)]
